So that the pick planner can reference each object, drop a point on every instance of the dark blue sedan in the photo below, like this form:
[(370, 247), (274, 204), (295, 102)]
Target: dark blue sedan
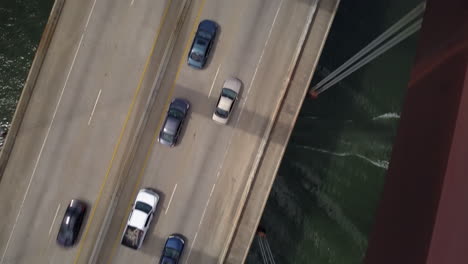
[(202, 43), (172, 249)]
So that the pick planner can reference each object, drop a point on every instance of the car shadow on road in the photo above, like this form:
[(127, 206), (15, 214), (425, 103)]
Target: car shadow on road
[(250, 121), (213, 48)]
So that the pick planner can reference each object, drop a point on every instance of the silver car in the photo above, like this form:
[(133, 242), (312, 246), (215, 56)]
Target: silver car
[(173, 123), (226, 101)]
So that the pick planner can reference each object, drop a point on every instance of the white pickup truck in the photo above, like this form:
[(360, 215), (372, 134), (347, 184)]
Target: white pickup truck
[(140, 218)]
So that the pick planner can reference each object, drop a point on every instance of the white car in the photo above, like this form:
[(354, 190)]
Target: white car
[(227, 99), (140, 218)]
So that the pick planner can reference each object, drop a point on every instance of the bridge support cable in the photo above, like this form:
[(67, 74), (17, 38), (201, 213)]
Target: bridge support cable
[(264, 246), (382, 49), (404, 21), (262, 250), (265, 250), (267, 246)]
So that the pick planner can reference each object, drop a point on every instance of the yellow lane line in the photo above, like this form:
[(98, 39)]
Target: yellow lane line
[(155, 136), (119, 140)]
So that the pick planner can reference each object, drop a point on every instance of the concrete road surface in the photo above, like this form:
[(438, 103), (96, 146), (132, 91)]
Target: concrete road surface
[(202, 181), (86, 104)]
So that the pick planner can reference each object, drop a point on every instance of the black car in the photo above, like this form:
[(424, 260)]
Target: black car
[(202, 44), (173, 123), (172, 249), (71, 223)]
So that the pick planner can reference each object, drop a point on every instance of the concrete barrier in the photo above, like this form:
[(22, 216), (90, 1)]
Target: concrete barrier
[(30, 84)]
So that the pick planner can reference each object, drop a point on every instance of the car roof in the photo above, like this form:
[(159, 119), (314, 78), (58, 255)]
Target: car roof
[(138, 219), (225, 103), (69, 220), (200, 45)]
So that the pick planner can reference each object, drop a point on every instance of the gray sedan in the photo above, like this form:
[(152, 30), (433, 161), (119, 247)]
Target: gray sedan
[(173, 123)]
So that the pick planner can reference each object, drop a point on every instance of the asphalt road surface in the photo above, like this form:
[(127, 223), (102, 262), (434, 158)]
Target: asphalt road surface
[(85, 110), (202, 180), (86, 95)]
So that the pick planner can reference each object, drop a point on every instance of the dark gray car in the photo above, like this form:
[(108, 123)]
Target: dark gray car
[(173, 123), (71, 223)]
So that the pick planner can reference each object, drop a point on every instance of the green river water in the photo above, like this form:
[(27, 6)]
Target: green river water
[(322, 204)]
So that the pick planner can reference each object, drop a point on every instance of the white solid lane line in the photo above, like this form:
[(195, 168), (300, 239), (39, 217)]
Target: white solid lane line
[(248, 90), (170, 200), (132, 2), (244, 100), (212, 189), (52, 259), (203, 214), (45, 141), (53, 221), (214, 80), (259, 62), (190, 251), (199, 224), (89, 16), (94, 108)]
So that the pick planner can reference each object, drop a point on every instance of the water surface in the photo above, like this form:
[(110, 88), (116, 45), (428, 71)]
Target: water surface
[(322, 204)]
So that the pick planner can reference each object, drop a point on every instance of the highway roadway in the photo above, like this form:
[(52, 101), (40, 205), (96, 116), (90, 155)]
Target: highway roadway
[(202, 180), (79, 119), (84, 113)]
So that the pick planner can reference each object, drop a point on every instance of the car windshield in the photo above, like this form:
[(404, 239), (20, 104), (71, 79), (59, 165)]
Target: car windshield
[(196, 56), (228, 93), (171, 253), (143, 207), (65, 232), (176, 113), (167, 137), (220, 112)]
